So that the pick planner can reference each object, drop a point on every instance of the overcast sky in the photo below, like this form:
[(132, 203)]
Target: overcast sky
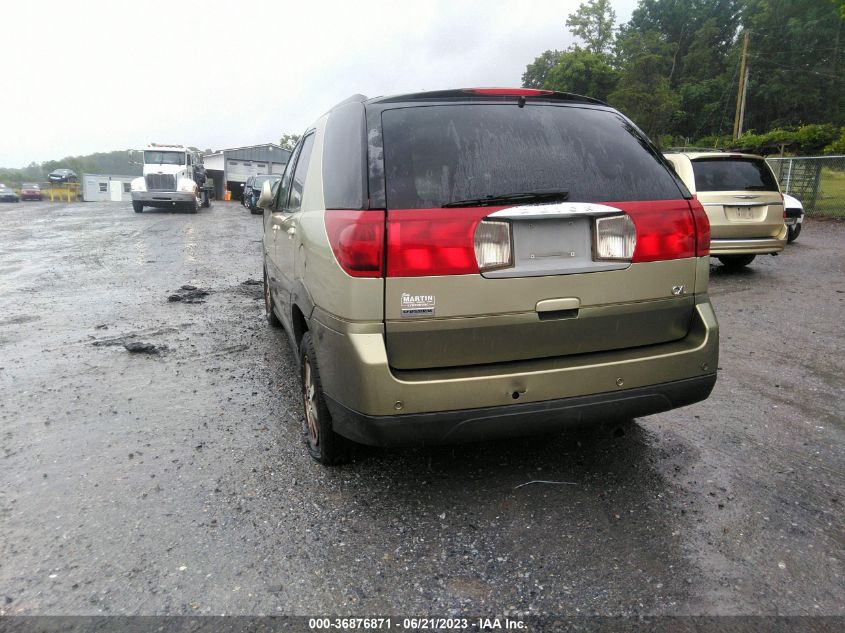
[(88, 76)]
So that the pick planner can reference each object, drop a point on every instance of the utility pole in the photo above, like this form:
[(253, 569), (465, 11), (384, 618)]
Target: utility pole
[(742, 109), (743, 84)]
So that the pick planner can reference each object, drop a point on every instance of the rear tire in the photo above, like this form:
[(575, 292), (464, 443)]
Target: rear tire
[(270, 315), (735, 262), (138, 207), (792, 233), (323, 444)]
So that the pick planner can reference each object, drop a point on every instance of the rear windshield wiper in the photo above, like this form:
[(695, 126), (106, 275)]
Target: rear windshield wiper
[(550, 195)]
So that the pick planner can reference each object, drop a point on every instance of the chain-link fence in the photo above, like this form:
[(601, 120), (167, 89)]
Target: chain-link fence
[(817, 181)]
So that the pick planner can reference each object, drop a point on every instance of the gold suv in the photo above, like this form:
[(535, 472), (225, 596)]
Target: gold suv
[(480, 263), (742, 199)]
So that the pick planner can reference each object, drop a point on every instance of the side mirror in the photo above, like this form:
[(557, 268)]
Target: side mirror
[(265, 200)]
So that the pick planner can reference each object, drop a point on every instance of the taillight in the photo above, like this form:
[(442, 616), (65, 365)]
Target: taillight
[(615, 238), (357, 241), (702, 229), (428, 242), (434, 242), (665, 229)]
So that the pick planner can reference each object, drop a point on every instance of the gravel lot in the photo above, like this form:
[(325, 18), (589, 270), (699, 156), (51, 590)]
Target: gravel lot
[(176, 483)]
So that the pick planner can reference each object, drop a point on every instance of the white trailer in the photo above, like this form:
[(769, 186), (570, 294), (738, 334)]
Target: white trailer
[(106, 188)]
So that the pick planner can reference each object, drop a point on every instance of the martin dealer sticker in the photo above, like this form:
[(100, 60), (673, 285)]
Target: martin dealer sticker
[(417, 305)]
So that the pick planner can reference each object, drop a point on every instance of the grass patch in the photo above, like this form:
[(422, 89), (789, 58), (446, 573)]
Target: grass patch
[(831, 199)]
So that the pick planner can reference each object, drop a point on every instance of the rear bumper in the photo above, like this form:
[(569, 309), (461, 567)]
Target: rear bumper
[(793, 217), (759, 246), (374, 403), (533, 418)]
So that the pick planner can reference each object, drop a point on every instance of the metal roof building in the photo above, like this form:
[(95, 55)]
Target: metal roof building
[(231, 167)]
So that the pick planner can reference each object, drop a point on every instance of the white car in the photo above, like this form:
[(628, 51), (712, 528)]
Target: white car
[(793, 216)]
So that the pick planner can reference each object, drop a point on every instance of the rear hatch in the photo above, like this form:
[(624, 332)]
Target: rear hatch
[(521, 231), (740, 195)]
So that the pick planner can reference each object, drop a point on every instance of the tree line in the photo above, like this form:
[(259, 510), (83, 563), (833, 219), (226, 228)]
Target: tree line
[(122, 162), (117, 163), (673, 68)]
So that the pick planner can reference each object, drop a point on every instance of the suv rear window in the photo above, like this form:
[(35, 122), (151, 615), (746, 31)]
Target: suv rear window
[(733, 174), (434, 155)]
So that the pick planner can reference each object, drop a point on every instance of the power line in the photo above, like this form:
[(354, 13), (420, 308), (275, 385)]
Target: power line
[(796, 69)]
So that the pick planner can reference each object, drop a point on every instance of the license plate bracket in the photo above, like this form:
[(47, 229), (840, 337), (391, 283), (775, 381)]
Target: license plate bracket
[(741, 214)]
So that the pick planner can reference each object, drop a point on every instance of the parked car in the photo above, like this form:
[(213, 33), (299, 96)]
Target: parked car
[(793, 216), (742, 199), (62, 175), (31, 191), (8, 195), (253, 187), (454, 266), (247, 188)]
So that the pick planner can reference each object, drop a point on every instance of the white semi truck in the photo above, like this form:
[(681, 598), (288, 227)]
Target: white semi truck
[(174, 177)]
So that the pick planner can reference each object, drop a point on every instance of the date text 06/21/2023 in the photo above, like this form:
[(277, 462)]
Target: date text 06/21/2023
[(416, 624)]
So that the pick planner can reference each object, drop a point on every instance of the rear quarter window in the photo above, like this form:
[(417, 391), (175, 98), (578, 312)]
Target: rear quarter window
[(345, 158), (733, 174), (434, 155)]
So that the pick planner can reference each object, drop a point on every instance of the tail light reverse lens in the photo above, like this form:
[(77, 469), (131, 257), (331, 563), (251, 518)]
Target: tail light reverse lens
[(492, 243), (616, 238)]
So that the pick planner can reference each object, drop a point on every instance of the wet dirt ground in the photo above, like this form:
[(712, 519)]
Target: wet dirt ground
[(174, 481)]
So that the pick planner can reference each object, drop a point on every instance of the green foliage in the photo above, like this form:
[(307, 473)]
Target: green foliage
[(812, 139), (643, 91), (593, 23), (675, 67), (583, 73), (806, 140), (289, 141), (797, 61), (837, 146), (536, 73), (687, 25)]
